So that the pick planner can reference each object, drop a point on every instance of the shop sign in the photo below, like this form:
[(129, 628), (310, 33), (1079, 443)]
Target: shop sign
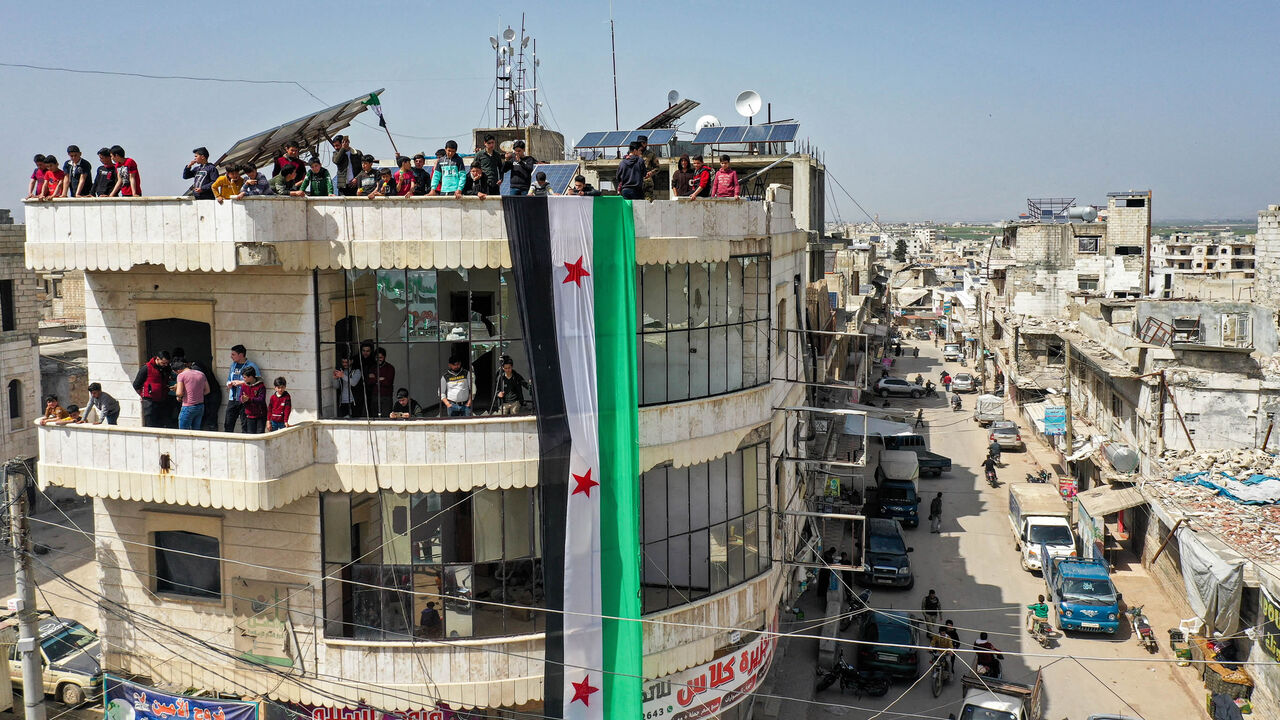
[(1055, 420), (711, 688), (129, 701), (1067, 486), (1269, 631)]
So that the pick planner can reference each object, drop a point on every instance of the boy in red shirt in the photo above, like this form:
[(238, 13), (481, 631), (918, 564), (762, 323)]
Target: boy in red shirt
[(128, 182), (702, 177), (279, 405), (36, 186), (405, 178), (253, 395), (53, 177)]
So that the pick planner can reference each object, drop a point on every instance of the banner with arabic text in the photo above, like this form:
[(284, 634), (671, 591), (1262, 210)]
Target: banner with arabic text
[(129, 701), (711, 688)]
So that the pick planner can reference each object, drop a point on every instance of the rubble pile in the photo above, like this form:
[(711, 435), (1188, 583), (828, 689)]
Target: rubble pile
[(1053, 324), (1253, 530)]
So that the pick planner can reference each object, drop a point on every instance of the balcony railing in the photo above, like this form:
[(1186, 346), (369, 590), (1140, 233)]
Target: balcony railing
[(184, 234)]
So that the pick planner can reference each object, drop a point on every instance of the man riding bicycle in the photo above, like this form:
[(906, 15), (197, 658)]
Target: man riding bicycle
[(1039, 614)]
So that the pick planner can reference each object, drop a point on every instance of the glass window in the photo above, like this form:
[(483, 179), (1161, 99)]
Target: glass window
[(702, 530), (432, 565), (697, 335), (187, 563)]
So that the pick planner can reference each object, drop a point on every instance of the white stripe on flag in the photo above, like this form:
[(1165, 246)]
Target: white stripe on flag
[(570, 220)]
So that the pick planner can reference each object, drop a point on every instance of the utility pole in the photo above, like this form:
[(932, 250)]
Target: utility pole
[(23, 578), (1068, 437), (982, 339)]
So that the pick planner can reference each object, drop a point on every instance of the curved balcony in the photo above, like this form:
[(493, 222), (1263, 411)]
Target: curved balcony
[(184, 234)]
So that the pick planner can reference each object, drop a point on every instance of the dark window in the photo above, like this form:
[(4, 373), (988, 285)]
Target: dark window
[(187, 564), (1135, 202), (57, 288), (1128, 250), (7, 321), (1087, 282), (15, 400), (703, 328), (705, 527), (1088, 243)]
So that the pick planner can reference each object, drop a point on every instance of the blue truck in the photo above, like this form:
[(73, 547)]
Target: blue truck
[(897, 489), (1080, 593), (931, 464)]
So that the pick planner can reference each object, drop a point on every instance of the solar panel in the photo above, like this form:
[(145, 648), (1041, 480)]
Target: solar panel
[(661, 136), (617, 138), (591, 139), (733, 134), (756, 133), (783, 133), (671, 114), (708, 135), (559, 176), (310, 130)]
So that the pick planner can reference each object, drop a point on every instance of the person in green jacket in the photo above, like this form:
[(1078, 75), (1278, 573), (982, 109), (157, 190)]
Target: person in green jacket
[(318, 182), (450, 173), (1039, 612)]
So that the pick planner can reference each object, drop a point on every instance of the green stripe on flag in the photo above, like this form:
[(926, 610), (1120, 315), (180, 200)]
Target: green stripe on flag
[(614, 244)]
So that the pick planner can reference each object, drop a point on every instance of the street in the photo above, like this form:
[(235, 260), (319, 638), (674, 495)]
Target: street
[(976, 572)]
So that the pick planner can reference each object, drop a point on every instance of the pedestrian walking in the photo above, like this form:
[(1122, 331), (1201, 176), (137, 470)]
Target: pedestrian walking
[(920, 418), (915, 351), (935, 514)]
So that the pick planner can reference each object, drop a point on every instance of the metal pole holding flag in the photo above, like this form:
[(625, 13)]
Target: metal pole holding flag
[(376, 104)]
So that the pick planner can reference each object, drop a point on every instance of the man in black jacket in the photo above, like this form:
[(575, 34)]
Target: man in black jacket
[(489, 160), (630, 178), (521, 168), (511, 387), (201, 173)]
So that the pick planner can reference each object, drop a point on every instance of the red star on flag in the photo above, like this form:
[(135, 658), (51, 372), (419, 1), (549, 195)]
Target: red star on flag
[(585, 483), (582, 691), (576, 272)]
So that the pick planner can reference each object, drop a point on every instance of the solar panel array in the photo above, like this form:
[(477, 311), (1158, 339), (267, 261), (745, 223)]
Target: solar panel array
[(782, 132), (624, 138), (559, 176)]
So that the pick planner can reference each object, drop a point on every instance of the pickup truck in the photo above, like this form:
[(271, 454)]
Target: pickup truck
[(931, 464), (992, 699), (988, 409), (951, 352), (1080, 593), (1040, 519)]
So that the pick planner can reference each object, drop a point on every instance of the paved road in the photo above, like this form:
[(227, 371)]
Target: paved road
[(976, 572)]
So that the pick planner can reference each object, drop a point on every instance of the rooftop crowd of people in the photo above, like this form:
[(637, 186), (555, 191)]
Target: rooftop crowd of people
[(354, 175)]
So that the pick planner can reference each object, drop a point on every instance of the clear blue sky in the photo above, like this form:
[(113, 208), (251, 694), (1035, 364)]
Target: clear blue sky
[(924, 110)]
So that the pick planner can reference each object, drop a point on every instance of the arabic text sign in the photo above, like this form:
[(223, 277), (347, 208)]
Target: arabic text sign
[(1269, 632), (1055, 420), (127, 701), (710, 688)]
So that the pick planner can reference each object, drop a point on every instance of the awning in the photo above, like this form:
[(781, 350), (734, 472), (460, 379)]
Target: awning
[(854, 424), (308, 130), (909, 296), (1110, 499)]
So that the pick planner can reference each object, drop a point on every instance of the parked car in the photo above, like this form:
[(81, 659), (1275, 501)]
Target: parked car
[(1006, 433), (921, 333), (885, 555), (898, 386), (963, 382), (889, 637), (951, 352), (70, 652)]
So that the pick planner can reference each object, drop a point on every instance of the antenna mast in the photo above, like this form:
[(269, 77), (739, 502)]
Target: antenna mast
[(614, 44)]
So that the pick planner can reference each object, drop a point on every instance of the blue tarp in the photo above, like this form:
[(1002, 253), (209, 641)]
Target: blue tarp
[(1256, 489)]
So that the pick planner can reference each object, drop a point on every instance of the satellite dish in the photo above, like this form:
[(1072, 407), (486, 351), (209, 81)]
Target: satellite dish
[(508, 34), (493, 41), (524, 43), (748, 103), (673, 97), (503, 51), (706, 121)]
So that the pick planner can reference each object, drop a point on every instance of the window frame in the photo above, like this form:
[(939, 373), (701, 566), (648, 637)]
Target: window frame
[(156, 521)]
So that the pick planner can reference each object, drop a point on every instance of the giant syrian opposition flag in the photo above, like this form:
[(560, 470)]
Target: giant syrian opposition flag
[(574, 263)]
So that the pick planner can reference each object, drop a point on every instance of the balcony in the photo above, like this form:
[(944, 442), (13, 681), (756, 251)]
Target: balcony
[(183, 234), (268, 471)]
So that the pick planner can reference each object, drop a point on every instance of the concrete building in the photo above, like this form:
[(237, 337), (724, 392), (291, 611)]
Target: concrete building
[(1049, 264), (19, 354), (1203, 266), (343, 529)]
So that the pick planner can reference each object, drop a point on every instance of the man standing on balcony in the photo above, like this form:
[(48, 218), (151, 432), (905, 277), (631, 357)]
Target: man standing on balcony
[(511, 387), (192, 387), (152, 385), (235, 380), (201, 173), (347, 161), (489, 160), (105, 408), (382, 378), (456, 389)]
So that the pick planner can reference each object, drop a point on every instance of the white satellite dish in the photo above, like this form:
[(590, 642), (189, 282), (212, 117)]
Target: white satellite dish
[(508, 34), (748, 103), (525, 42), (493, 41), (503, 51), (673, 97), (706, 121)]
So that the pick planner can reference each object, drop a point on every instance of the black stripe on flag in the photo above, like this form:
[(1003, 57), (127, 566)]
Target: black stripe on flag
[(529, 237)]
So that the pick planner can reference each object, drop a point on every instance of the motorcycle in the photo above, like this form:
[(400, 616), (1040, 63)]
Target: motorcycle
[(1042, 632), (1038, 477), (1141, 628), (862, 682), (930, 390), (854, 610), (955, 402), (991, 478), (940, 674)]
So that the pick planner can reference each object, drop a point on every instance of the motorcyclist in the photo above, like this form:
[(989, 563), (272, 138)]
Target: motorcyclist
[(955, 402), (988, 655), (950, 631), (1039, 614), (930, 390), (931, 606), (919, 379), (990, 466), (994, 450), (943, 644)]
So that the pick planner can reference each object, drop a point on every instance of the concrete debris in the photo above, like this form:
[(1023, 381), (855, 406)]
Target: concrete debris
[(1250, 529), (1271, 367)]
